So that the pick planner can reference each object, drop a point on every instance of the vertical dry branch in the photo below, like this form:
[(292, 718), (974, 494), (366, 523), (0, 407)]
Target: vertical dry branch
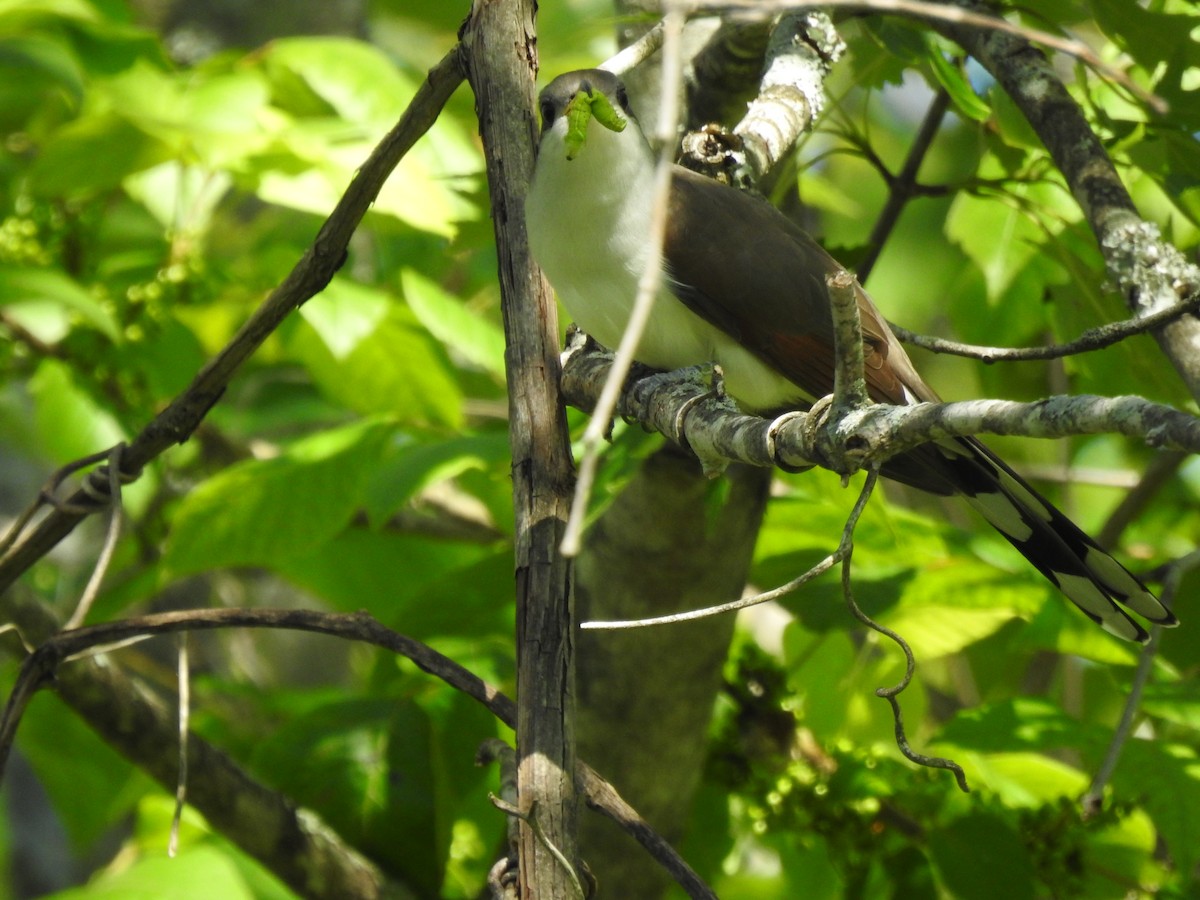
[(499, 36)]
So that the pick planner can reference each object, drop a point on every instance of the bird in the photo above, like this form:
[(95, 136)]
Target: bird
[(744, 288)]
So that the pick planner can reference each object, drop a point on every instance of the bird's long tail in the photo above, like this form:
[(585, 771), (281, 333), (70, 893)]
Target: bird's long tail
[(1072, 561)]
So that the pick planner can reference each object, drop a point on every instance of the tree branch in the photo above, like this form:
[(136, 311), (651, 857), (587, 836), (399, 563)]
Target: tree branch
[(714, 429), (142, 727), (293, 843), (311, 274), (500, 38), (1093, 339), (1150, 273)]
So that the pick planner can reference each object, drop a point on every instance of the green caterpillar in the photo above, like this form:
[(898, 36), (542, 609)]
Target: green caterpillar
[(584, 106)]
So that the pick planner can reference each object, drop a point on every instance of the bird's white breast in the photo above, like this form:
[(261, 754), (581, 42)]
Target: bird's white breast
[(588, 221)]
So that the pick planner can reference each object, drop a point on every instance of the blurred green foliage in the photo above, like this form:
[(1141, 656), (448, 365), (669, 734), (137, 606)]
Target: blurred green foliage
[(360, 462)]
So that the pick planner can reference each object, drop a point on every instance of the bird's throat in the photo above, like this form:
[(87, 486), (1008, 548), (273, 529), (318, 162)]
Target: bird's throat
[(589, 225)]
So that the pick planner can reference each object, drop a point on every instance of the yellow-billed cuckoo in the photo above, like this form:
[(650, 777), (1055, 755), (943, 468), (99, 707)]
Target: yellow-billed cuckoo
[(744, 287)]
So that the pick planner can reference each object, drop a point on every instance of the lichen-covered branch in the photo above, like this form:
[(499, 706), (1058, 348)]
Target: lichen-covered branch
[(714, 429), (1150, 273)]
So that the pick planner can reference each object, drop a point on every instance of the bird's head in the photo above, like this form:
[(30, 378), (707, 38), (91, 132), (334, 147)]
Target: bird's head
[(573, 100)]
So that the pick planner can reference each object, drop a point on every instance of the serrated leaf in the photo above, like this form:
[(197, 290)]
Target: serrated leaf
[(999, 238), (264, 511)]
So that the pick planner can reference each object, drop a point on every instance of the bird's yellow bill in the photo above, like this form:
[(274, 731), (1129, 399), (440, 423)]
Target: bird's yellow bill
[(583, 107)]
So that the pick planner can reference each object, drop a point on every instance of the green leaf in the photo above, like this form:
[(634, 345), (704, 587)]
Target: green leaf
[(1001, 239), (361, 85), (1177, 702), (1127, 849), (215, 121), (43, 300), (168, 360), (1166, 777), (373, 356), (182, 198), (199, 873), (955, 83), (93, 154), (476, 339), (969, 853), (1150, 36), (946, 608), (264, 512), (17, 14), (365, 765), (1025, 780), (416, 468), (357, 81), (57, 399), (1014, 129), (36, 74), (422, 586)]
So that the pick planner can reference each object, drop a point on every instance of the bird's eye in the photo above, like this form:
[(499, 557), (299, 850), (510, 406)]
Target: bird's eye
[(623, 98), (547, 110)]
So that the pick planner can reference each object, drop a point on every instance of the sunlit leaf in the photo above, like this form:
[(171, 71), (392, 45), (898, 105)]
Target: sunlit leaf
[(372, 354), (476, 339), (264, 511)]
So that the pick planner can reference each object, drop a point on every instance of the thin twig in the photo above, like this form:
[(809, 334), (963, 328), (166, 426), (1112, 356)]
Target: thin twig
[(1093, 339), (530, 818), (46, 496), (1090, 802), (183, 668), (39, 668), (910, 663), (774, 594), (111, 536), (943, 13), (1158, 474), (636, 53), (849, 381), (890, 694), (648, 284), (880, 430), (902, 186)]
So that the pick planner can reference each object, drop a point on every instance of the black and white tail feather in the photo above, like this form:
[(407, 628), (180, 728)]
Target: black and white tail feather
[(1090, 578)]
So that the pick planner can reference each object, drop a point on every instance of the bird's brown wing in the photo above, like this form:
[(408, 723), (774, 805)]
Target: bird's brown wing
[(743, 266), (751, 272)]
